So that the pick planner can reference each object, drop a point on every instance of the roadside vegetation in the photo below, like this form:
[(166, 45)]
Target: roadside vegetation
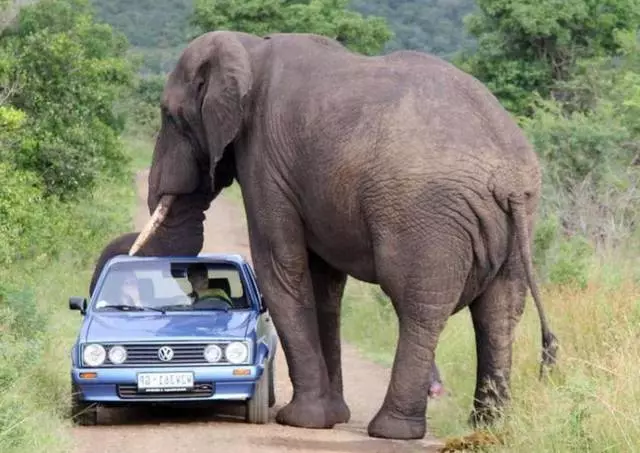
[(65, 185), (79, 110)]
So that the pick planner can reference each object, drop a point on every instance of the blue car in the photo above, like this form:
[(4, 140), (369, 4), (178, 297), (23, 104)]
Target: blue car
[(173, 329)]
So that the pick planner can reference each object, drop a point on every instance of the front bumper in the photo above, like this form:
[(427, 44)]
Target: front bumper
[(211, 383)]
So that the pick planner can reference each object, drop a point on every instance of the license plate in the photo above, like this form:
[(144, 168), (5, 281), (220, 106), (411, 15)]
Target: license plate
[(163, 382)]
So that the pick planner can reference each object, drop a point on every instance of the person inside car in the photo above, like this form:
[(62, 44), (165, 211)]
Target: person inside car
[(130, 293), (198, 276)]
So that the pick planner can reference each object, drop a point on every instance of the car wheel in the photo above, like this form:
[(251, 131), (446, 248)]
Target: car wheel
[(258, 405), (82, 413), (272, 383)]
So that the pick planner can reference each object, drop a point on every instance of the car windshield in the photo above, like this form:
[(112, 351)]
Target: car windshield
[(171, 286)]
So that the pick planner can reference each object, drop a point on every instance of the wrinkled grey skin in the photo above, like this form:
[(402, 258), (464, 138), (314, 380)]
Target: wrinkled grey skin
[(398, 170)]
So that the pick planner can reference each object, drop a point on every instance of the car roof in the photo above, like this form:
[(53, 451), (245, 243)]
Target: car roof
[(222, 258)]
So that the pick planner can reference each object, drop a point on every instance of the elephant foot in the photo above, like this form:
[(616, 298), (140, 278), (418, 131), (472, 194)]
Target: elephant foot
[(484, 416), (310, 413), (391, 425), (341, 412)]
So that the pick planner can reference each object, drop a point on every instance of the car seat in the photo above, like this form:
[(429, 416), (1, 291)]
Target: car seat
[(146, 289), (223, 283)]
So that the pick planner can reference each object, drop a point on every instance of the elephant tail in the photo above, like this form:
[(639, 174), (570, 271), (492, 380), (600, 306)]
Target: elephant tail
[(549, 340)]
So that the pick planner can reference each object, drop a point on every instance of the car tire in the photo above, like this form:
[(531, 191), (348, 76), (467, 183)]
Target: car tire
[(258, 405), (82, 413), (272, 383)]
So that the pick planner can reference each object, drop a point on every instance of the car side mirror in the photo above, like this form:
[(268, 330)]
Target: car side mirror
[(78, 303), (263, 307)]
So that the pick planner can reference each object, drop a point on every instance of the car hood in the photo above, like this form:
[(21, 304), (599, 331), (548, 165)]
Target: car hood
[(109, 327)]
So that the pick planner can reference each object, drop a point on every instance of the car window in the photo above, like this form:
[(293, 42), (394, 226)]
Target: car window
[(165, 284)]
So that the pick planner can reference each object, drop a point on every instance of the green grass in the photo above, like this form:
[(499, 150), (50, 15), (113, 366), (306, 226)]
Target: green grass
[(140, 149), (37, 328)]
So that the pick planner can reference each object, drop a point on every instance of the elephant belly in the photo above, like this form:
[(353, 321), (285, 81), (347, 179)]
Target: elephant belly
[(346, 249)]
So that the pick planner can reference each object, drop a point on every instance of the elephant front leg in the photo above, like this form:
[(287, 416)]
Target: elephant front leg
[(281, 262), (328, 288), (495, 315)]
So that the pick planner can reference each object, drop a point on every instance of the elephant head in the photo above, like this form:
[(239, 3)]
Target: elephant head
[(204, 106)]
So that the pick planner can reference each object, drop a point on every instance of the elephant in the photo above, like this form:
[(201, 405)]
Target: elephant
[(399, 170)]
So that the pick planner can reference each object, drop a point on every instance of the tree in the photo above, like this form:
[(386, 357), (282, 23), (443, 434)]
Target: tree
[(434, 26), (526, 47), (331, 18), (65, 73)]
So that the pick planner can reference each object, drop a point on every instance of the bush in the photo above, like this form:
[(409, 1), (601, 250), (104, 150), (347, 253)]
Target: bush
[(25, 405), (23, 219), (144, 105), (65, 72), (36, 329)]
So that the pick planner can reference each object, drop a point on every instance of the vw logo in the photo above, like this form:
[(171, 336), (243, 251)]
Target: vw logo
[(165, 353)]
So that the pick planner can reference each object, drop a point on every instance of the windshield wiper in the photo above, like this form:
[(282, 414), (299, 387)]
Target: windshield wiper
[(164, 308), (124, 307)]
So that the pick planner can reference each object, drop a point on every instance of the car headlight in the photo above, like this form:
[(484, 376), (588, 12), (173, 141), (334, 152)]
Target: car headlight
[(212, 353), (94, 355), (236, 352), (117, 355)]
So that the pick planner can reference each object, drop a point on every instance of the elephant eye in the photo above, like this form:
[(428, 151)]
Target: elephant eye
[(170, 118), (166, 113)]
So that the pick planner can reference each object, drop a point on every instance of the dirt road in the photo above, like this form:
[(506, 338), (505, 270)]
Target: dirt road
[(182, 431)]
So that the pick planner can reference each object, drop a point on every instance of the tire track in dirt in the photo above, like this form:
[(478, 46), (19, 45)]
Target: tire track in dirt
[(222, 429)]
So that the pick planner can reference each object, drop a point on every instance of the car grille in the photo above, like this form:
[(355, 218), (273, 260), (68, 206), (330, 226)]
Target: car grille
[(185, 354), (130, 391)]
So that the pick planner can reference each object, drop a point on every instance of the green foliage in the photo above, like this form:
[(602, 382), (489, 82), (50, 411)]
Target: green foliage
[(589, 145), (35, 330), (576, 145), (157, 29), (65, 73), (62, 192), (148, 23), (22, 213), (434, 26), (525, 47), (20, 351), (143, 106), (325, 17), (571, 264), (561, 260)]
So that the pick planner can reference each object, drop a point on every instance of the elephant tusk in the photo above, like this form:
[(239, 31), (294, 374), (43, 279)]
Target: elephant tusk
[(154, 222)]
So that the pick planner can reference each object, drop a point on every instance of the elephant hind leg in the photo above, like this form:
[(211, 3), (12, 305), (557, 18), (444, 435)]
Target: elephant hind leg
[(495, 315), (423, 300), (328, 288), (436, 388)]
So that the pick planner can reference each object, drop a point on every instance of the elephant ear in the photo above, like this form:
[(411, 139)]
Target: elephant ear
[(227, 78)]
